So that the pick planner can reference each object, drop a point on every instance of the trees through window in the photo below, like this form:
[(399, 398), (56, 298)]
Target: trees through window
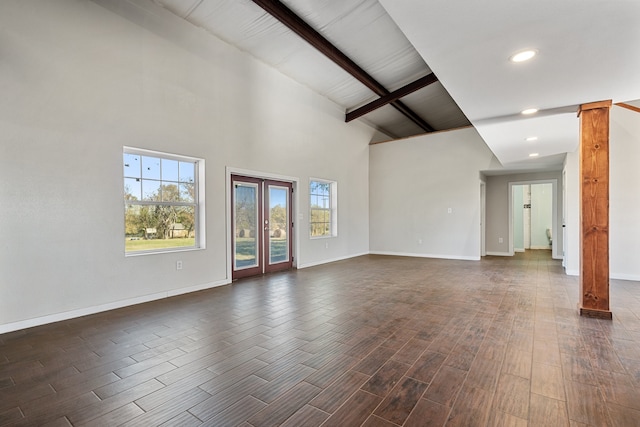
[(323, 203), (160, 201)]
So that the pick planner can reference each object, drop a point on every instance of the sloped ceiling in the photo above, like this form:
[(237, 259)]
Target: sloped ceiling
[(361, 29)]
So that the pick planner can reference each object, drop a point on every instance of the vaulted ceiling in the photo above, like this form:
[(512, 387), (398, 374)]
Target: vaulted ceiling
[(450, 56), (350, 51)]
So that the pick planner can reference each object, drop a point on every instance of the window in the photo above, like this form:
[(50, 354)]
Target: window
[(323, 203), (161, 206)]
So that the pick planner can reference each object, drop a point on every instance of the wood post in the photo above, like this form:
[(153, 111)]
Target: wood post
[(594, 212)]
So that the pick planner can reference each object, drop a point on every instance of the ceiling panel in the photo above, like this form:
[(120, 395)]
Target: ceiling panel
[(435, 103), (392, 122)]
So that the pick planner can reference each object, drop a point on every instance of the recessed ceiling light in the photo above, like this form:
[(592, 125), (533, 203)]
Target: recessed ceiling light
[(534, 155), (524, 55), (529, 111), (531, 138)]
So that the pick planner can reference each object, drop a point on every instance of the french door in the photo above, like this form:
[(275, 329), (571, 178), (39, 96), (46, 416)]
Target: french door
[(262, 226)]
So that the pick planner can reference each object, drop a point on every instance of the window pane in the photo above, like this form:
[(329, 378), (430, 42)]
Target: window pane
[(188, 192), (132, 189), (131, 213), (169, 170), (131, 165), (150, 167), (246, 221), (159, 227), (170, 192), (187, 172), (150, 190), (323, 202)]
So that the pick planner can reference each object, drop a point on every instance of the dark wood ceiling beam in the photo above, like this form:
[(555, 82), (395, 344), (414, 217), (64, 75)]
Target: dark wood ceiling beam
[(412, 115), (393, 96), (292, 21)]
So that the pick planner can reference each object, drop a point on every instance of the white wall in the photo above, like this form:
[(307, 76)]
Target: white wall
[(624, 198), (414, 182), (572, 214), (624, 195), (78, 83)]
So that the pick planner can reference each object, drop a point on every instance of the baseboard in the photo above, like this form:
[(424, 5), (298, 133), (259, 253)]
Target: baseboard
[(541, 247), (631, 277), (518, 250), (197, 288), (614, 276), (58, 317), (327, 261), (499, 253), (419, 255)]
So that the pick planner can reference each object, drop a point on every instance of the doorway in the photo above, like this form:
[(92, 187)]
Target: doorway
[(533, 215), (262, 226), (483, 214)]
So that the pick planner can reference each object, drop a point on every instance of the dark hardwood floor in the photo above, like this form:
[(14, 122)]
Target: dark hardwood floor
[(371, 341)]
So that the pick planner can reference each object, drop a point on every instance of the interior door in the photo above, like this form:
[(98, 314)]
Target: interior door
[(262, 226)]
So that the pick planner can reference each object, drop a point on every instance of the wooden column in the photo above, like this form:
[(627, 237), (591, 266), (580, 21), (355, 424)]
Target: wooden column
[(594, 204)]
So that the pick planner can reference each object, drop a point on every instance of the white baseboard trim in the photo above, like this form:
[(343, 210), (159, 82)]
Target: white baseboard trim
[(518, 250), (197, 288), (52, 318), (419, 255), (631, 277), (540, 247), (499, 253), (327, 261), (614, 276)]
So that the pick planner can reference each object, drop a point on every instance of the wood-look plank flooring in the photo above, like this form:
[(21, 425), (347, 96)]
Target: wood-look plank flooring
[(370, 341)]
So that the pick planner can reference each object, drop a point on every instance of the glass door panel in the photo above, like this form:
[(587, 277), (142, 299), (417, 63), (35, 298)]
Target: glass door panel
[(247, 231), (278, 228), (278, 220), (246, 218)]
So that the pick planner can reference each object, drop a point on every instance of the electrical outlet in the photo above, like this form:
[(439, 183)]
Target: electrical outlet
[(500, 240), (449, 210), (326, 245), (419, 241), (178, 265)]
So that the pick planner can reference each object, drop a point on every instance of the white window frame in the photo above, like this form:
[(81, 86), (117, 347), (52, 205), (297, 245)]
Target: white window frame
[(198, 203), (333, 208)]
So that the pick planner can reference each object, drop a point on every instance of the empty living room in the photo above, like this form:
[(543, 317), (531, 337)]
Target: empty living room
[(319, 213)]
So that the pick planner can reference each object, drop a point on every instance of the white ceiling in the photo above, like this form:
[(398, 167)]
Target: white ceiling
[(589, 50)]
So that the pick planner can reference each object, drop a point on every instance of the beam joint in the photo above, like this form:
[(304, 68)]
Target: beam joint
[(292, 21)]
